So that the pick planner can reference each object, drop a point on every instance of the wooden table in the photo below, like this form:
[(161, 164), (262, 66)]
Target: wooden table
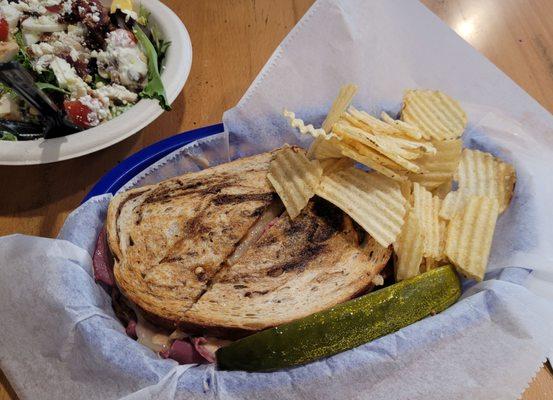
[(232, 40)]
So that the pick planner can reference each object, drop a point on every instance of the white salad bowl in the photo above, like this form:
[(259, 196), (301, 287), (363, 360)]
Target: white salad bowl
[(174, 75)]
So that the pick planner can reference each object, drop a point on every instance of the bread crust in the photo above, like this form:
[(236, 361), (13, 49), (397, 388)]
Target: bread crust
[(113, 214)]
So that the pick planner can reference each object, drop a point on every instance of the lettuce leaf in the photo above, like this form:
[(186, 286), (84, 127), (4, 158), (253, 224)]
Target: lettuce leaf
[(160, 45), (22, 56), (143, 16), (49, 86), (154, 89), (7, 136)]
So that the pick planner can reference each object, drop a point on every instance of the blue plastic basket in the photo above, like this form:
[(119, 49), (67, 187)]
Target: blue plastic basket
[(138, 162)]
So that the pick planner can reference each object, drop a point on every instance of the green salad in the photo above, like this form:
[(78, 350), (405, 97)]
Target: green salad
[(94, 62)]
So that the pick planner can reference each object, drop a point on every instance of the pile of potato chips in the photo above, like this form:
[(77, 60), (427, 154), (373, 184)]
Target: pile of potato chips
[(406, 200)]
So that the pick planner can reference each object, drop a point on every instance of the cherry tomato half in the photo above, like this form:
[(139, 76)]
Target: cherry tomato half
[(4, 30), (78, 113)]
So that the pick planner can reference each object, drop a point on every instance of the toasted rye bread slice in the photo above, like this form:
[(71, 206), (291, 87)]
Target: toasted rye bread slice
[(295, 269), (170, 239)]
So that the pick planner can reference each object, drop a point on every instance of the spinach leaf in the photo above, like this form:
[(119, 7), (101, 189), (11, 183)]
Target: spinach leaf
[(49, 86)]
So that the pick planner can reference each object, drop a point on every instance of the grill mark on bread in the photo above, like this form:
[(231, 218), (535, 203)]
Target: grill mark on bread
[(139, 218), (189, 185), (224, 264), (331, 214), (196, 227), (200, 188), (226, 199), (299, 262), (269, 197), (171, 259), (258, 212), (240, 286), (256, 293)]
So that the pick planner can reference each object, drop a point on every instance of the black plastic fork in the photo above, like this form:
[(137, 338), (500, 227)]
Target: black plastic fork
[(53, 122)]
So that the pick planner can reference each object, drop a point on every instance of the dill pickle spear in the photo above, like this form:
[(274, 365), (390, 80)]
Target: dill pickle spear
[(344, 326)]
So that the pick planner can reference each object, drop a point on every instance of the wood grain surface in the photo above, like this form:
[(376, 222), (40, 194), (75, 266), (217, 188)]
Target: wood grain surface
[(232, 40)]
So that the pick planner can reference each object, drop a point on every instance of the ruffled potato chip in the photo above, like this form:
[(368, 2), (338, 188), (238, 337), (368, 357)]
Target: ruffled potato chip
[(295, 178), (481, 173), (470, 234), (435, 113), (427, 209), (439, 168), (321, 149), (372, 200), (409, 248)]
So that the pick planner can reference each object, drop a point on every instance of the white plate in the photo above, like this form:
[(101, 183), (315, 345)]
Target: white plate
[(177, 68)]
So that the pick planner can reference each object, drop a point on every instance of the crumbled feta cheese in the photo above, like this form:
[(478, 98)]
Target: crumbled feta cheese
[(52, 3), (10, 13), (130, 14), (31, 6), (120, 38), (61, 43), (43, 63), (123, 62), (68, 79), (67, 7), (77, 30), (74, 54), (41, 49), (116, 92), (99, 111)]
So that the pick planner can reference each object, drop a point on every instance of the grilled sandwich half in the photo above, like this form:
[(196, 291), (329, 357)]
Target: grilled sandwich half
[(213, 252)]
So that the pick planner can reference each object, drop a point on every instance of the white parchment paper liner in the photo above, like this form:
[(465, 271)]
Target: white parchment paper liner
[(60, 339)]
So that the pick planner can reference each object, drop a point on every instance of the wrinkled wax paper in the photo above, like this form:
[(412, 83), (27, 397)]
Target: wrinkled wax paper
[(60, 339)]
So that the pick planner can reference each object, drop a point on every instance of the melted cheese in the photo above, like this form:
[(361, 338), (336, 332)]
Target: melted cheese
[(255, 232)]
